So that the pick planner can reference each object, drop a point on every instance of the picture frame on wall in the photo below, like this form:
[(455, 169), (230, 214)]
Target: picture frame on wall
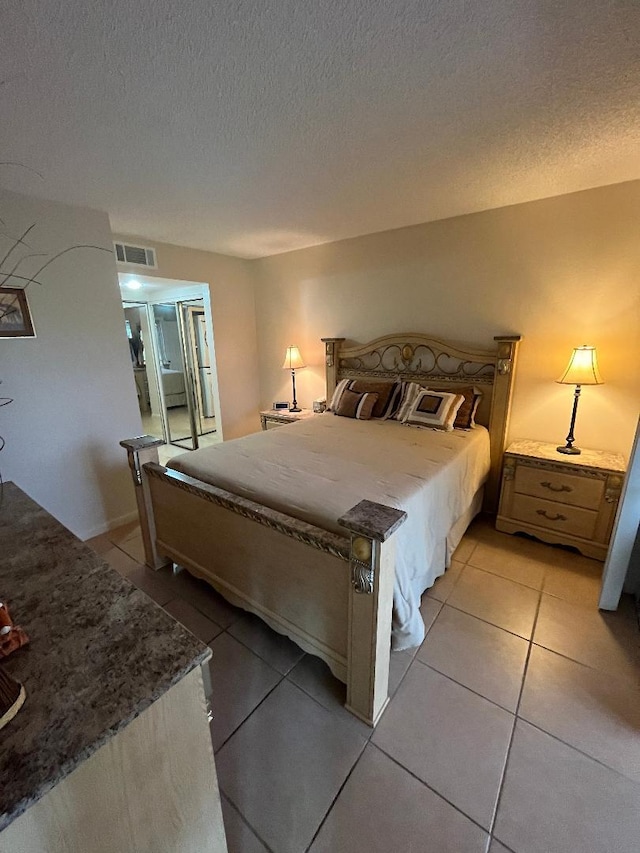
[(15, 317)]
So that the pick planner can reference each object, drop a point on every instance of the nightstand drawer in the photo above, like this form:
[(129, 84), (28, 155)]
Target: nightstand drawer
[(559, 486), (554, 516)]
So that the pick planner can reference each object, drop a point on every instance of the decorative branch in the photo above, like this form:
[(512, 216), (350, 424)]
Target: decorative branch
[(18, 241), (17, 264)]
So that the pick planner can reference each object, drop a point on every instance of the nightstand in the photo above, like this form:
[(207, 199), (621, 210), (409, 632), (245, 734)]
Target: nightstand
[(565, 500), (277, 417)]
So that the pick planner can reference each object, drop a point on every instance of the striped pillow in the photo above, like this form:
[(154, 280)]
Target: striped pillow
[(387, 391), (433, 409), (335, 399), (358, 406), (409, 391)]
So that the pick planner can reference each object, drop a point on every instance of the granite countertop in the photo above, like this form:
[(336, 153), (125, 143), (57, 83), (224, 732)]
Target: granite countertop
[(100, 653)]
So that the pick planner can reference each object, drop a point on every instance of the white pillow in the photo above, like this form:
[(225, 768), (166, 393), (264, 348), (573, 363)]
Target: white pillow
[(433, 409), (410, 391)]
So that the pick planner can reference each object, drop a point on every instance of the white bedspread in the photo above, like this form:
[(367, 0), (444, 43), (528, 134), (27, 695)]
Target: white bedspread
[(318, 468)]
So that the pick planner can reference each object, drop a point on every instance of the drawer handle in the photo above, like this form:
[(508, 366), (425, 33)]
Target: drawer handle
[(557, 517), (553, 488)]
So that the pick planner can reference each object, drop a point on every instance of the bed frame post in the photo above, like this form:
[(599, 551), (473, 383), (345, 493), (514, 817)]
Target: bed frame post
[(140, 450), (500, 408), (372, 574), (331, 350)]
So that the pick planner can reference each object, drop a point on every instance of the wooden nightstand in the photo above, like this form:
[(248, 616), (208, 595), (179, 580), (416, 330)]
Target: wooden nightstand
[(277, 417), (566, 500)]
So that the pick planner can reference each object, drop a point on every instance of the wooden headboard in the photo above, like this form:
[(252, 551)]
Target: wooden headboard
[(439, 364)]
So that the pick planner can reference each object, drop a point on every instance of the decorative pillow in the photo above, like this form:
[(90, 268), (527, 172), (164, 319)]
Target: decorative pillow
[(465, 419), (335, 399), (387, 391), (359, 406), (434, 409), (408, 392)]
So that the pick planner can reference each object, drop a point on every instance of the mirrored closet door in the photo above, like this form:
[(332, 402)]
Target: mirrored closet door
[(185, 372)]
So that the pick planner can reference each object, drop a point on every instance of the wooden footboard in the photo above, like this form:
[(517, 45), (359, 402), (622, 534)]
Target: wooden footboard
[(329, 593)]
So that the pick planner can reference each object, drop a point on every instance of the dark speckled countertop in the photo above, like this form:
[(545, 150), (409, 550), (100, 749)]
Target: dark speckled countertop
[(100, 652)]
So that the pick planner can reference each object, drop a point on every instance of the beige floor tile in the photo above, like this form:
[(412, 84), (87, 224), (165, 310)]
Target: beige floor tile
[(399, 664), (579, 583), (239, 682), (518, 562), (429, 608), (606, 641), (155, 584), (123, 532), (204, 598), (284, 767), (465, 549), (194, 621), (556, 799), (316, 679), (99, 544), (502, 602), (449, 737), (483, 529), (383, 808), (276, 649), (133, 546), (483, 657), (443, 587), (240, 838), (118, 560), (598, 714)]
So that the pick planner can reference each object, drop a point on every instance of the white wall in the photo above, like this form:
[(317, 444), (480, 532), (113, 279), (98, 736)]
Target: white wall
[(73, 387), (231, 288), (561, 272)]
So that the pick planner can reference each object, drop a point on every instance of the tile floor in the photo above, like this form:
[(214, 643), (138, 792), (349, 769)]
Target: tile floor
[(180, 428), (514, 727)]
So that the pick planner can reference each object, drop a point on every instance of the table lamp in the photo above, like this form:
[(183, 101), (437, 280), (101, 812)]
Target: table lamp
[(293, 361), (581, 370)]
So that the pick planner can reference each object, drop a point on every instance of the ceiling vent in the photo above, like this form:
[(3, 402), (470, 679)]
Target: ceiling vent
[(137, 256)]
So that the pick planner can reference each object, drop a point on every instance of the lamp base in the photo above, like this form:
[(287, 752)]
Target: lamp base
[(296, 409), (572, 451)]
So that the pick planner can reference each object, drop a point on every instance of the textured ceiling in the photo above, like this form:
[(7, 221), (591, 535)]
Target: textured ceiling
[(252, 128)]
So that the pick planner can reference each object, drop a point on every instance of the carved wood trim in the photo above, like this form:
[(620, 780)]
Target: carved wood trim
[(315, 537)]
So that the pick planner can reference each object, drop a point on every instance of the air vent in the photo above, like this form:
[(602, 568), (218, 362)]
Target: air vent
[(138, 256)]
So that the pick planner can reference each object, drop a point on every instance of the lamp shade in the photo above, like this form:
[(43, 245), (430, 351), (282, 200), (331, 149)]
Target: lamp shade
[(292, 359), (582, 368)]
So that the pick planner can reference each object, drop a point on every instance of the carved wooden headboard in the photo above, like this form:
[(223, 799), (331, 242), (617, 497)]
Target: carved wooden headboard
[(439, 364)]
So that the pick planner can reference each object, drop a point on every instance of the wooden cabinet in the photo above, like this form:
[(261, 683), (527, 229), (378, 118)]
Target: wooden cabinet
[(566, 500), (277, 417)]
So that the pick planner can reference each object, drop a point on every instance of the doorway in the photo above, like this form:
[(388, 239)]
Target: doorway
[(170, 333), (185, 372)]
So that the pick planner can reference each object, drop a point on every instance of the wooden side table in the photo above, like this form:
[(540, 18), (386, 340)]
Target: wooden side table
[(566, 500), (278, 417)]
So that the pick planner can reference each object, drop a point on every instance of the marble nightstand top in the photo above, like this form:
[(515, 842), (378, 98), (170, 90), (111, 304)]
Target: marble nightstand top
[(602, 459)]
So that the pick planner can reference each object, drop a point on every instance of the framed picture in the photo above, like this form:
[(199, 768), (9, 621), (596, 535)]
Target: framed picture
[(15, 319)]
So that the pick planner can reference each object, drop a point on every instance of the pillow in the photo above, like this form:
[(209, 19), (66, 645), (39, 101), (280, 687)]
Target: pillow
[(335, 399), (465, 419), (408, 393), (353, 405), (387, 390), (434, 409)]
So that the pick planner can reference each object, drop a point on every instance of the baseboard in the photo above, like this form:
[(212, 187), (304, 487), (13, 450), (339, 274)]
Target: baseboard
[(111, 524)]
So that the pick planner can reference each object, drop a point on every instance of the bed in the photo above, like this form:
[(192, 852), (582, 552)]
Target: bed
[(173, 388), (331, 528)]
